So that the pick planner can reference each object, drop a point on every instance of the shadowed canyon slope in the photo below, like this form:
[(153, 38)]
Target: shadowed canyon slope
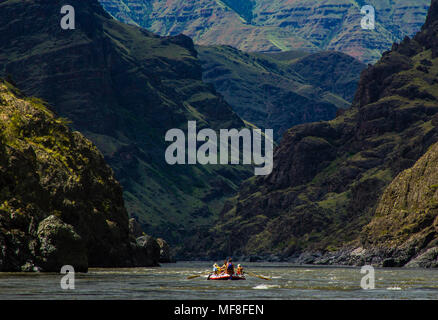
[(278, 25), (328, 177), (123, 88), (280, 90)]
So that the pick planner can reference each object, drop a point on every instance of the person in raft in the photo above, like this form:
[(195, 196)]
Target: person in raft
[(223, 269), (230, 267), (239, 270), (216, 269)]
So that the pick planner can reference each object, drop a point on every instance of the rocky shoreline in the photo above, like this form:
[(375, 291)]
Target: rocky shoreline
[(356, 257), (417, 253), (378, 257)]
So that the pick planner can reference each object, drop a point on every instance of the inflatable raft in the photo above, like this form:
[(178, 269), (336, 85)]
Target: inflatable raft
[(225, 277)]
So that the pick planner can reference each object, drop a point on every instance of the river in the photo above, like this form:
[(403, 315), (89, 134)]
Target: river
[(170, 282)]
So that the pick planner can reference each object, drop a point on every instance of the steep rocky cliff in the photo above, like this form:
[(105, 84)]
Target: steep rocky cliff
[(404, 230), (123, 88), (405, 227), (278, 91), (278, 25), (59, 201), (329, 176)]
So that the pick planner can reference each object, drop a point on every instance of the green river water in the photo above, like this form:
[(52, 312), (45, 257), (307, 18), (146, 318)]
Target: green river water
[(170, 282)]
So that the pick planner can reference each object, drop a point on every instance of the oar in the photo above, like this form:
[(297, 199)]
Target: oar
[(198, 275), (258, 276)]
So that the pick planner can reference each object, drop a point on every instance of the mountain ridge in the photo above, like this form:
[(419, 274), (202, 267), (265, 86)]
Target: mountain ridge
[(261, 26)]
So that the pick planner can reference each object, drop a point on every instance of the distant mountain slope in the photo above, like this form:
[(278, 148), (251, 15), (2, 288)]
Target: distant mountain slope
[(278, 92), (335, 24), (333, 72), (124, 87), (328, 177), (278, 25), (207, 22)]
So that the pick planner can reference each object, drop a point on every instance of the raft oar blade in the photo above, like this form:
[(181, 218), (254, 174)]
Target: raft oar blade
[(198, 275), (258, 276)]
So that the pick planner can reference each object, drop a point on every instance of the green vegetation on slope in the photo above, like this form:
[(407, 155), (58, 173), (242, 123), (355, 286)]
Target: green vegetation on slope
[(281, 90), (59, 201), (406, 216)]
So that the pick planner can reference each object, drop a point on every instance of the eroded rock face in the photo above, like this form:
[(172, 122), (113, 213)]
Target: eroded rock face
[(407, 214), (60, 245), (59, 201), (427, 259), (165, 256), (147, 251), (135, 228)]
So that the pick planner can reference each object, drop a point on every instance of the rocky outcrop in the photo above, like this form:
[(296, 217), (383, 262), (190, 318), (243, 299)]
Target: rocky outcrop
[(427, 259), (60, 245), (165, 255), (135, 228), (259, 25), (59, 201), (328, 177), (147, 251), (407, 215), (148, 245)]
